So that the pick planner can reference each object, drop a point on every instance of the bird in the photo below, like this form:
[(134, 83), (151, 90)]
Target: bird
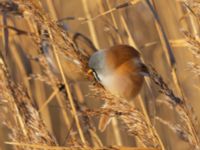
[(120, 70)]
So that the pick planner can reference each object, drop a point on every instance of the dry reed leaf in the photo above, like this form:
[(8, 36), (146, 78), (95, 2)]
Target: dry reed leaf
[(48, 35)]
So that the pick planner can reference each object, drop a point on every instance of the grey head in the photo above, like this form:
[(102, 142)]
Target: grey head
[(97, 63)]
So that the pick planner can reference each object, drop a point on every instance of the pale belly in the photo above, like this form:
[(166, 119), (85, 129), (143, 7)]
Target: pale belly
[(122, 85)]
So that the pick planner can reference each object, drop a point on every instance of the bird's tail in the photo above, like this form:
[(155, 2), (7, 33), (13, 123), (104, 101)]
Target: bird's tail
[(104, 120)]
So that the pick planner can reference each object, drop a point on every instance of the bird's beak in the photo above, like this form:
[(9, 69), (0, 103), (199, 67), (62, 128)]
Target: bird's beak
[(90, 71), (94, 74)]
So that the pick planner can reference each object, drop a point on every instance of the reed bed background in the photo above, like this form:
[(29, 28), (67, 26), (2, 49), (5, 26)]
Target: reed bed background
[(49, 101)]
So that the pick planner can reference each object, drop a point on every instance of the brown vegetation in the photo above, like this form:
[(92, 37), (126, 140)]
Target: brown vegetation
[(50, 101)]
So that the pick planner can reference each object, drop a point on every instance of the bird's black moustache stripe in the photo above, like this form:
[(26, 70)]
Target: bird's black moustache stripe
[(96, 75)]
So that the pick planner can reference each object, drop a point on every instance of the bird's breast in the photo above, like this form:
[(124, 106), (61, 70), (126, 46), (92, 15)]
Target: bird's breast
[(125, 86)]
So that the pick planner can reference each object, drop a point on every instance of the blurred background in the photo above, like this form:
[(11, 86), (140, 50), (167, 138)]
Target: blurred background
[(116, 22)]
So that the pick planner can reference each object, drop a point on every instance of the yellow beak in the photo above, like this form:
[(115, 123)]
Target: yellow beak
[(90, 71)]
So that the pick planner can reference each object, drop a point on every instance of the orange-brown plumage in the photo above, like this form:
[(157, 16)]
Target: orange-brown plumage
[(120, 70), (120, 53)]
